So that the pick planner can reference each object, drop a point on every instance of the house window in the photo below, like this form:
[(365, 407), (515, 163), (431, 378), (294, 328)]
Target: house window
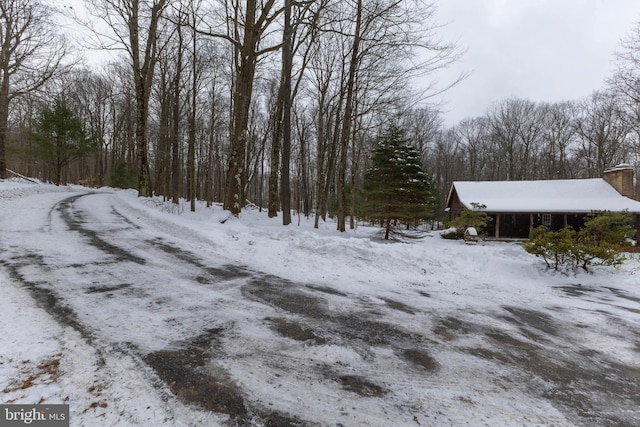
[(546, 219)]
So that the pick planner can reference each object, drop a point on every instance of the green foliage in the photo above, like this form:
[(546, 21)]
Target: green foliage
[(600, 242), (471, 218), (396, 187), (123, 176), (60, 138), (452, 234), (607, 228), (553, 246)]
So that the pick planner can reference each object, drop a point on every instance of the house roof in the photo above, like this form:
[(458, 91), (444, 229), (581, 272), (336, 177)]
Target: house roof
[(563, 195)]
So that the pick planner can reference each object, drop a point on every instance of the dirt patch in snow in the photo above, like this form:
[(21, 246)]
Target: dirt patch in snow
[(182, 371), (585, 386), (532, 319), (579, 381), (420, 358), (450, 327), (297, 300), (327, 290), (286, 296), (294, 330), (105, 289), (191, 374), (397, 305), (361, 386), (576, 290), (226, 272)]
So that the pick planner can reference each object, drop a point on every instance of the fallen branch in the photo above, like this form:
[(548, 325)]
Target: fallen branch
[(22, 176), (251, 204)]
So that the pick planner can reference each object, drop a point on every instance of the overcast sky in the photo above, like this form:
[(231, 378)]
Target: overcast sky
[(542, 50)]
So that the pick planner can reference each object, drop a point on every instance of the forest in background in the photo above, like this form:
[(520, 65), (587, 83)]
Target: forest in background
[(278, 104)]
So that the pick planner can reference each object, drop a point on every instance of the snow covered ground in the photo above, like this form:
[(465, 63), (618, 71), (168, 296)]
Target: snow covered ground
[(137, 313)]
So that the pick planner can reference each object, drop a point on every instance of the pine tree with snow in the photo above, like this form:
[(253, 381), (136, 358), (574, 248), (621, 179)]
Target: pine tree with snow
[(396, 186)]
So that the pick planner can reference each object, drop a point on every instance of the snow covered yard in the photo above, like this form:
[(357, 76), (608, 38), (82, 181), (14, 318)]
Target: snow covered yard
[(135, 313)]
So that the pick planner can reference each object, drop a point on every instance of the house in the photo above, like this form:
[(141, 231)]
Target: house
[(517, 207)]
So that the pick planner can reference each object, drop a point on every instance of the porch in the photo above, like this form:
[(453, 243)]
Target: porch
[(519, 225)]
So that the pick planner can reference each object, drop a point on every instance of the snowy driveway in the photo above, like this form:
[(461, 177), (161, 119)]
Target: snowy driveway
[(160, 323)]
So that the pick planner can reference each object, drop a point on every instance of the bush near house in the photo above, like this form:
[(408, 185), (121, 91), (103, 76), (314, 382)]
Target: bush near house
[(600, 242), (468, 218), (452, 234), (554, 247)]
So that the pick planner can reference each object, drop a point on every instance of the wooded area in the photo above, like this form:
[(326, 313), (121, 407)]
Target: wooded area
[(281, 103)]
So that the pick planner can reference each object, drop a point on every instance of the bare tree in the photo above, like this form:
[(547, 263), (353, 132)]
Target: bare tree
[(247, 25), (217, 124), (167, 181), (287, 68), (135, 28), (31, 54), (558, 135), (347, 123), (90, 94), (422, 126), (626, 79), (625, 83), (175, 128), (326, 97), (603, 134), (380, 41), (474, 136), (516, 126)]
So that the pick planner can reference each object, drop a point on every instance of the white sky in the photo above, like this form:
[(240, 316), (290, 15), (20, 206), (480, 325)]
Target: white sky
[(543, 50)]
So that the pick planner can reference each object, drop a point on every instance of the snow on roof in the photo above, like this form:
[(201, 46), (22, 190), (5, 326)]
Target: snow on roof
[(563, 195)]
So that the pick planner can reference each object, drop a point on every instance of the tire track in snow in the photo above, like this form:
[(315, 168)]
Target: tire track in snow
[(75, 220), (181, 365)]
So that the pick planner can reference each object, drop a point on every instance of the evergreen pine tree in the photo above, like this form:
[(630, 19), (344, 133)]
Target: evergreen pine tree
[(396, 187), (60, 138)]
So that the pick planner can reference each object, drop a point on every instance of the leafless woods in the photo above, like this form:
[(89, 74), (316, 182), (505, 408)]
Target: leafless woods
[(279, 103)]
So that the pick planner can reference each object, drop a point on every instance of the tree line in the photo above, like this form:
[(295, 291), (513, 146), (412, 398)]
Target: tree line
[(280, 104), (518, 139)]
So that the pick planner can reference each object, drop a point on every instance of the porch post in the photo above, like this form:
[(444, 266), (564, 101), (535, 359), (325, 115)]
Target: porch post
[(530, 223), (566, 222), (498, 215)]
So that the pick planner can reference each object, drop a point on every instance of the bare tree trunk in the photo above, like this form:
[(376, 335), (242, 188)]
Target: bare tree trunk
[(4, 120), (304, 168), (143, 67), (212, 145), (175, 134), (234, 198), (320, 163), (286, 117), (191, 155), (163, 165), (276, 146), (234, 192), (347, 123)]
